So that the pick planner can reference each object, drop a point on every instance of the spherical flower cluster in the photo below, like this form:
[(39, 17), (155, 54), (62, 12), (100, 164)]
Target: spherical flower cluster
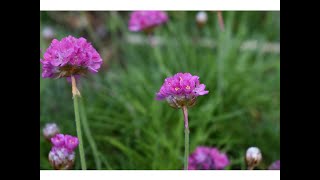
[(50, 130), (275, 165), (182, 89), (62, 153), (253, 157), (70, 57), (146, 20), (207, 158)]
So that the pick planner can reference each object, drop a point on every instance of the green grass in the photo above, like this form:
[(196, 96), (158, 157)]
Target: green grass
[(134, 131)]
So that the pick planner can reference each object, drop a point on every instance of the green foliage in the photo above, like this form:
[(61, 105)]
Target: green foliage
[(134, 131)]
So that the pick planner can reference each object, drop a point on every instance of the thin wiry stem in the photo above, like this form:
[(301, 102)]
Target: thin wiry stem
[(76, 96), (186, 137)]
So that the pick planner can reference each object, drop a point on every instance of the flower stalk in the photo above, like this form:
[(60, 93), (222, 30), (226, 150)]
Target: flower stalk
[(186, 137), (76, 96)]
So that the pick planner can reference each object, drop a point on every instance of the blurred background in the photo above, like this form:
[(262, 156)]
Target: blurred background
[(129, 128)]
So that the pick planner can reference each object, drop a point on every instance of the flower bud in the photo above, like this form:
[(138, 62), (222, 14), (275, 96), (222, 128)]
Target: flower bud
[(48, 33), (50, 130), (61, 158), (201, 18), (253, 157)]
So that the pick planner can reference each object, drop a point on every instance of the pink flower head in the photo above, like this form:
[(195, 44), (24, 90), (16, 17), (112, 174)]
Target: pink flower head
[(146, 20), (58, 140), (61, 158), (66, 141), (71, 142), (206, 158), (62, 153), (181, 89), (275, 165), (70, 57)]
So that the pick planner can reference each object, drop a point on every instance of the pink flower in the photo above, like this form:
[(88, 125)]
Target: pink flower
[(146, 20), (71, 142), (70, 57), (207, 158), (66, 141), (62, 153), (182, 89), (58, 140)]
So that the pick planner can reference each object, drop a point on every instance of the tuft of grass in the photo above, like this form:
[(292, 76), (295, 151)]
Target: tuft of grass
[(134, 131)]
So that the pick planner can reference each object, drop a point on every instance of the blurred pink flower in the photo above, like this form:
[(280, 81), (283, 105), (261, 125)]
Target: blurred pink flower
[(207, 158), (146, 20)]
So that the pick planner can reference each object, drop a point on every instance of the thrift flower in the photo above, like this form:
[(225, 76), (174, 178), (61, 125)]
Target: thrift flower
[(275, 165), (62, 155), (50, 130), (71, 142), (58, 140), (253, 157), (146, 20), (207, 158), (70, 57), (182, 89)]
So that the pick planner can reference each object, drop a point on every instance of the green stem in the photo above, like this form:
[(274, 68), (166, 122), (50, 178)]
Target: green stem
[(89, 136), (76, 96), (186, 137)]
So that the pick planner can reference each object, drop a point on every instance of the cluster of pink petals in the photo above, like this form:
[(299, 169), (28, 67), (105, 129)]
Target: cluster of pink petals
[(142, 20), (65, 141), (275, 165), (207, 158), (181, 90), (62, 155), (68, 57)]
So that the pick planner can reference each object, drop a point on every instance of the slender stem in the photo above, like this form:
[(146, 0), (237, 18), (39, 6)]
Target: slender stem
[(76, 95), (220, 19), (89, 136), (186, 137)]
